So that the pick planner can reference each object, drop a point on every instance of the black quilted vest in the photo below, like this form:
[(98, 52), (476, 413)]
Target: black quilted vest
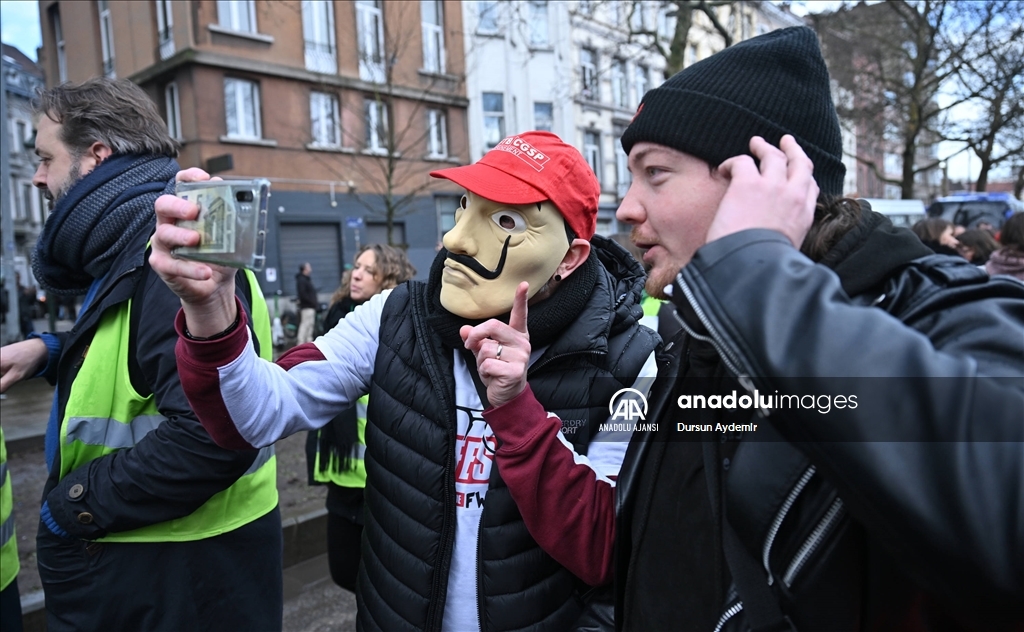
[(410, 518)]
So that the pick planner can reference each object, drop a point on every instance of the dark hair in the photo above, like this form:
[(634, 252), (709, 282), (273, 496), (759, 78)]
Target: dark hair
[(834, 216), (981, 242), (393, 267), (115, 112), (931, 229), (1012, 233)]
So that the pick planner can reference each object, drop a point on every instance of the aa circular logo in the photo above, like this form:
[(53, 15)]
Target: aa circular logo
[(629, 405)]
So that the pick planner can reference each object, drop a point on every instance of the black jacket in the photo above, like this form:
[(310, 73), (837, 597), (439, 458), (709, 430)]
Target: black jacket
[(306, 292), (410, 519), (168, 474), (906, 513)]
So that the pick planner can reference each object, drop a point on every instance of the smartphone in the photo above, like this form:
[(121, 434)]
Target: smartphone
[(232, 221)]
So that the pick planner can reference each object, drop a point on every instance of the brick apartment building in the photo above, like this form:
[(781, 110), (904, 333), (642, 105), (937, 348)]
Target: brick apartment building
[(344, 105)]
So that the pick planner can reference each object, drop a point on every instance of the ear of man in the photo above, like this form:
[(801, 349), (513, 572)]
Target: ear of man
[(94, 155), (577, 254)]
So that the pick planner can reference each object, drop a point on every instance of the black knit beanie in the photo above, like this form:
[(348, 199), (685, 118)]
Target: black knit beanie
[(768, 86)]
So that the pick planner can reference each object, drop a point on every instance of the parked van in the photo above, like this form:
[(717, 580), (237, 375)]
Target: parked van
[(900, 212), (970, 209)]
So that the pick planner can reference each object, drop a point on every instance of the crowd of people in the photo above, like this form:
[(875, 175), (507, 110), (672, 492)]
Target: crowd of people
[(480, 475), (1000, 251)]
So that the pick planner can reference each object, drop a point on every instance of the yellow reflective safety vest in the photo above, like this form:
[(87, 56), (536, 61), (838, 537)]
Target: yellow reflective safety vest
[(9, 564), (355, 475), (105, 414)]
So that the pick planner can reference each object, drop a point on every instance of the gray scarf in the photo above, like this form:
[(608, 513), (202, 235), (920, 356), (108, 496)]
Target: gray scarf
[(98, 217)]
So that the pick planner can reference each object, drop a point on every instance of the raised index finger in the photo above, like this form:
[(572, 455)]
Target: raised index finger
[(517, 318)]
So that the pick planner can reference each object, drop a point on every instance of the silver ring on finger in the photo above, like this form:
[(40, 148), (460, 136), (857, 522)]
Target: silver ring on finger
[(501, 347)]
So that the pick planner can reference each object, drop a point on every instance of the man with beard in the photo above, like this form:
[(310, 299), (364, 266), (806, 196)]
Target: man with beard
[(145, 523), (482, 489), (891, 496)]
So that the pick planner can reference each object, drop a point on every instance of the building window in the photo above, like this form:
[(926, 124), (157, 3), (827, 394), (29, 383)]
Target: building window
[(106, 38), (665, 24), (318, 35), (494, 118), (446, 205), (23, 203), (242, 108), (62, 57), (437, 133), (588, 74), (237, 15), (543, 116), (370, 27), (433, 35), (622, 176), (173, 105), (164, 28), (643, 84), (325, 119), (376, 125), (620, 91), (20, 135), (487, 16), (592, 152), (538, 24)]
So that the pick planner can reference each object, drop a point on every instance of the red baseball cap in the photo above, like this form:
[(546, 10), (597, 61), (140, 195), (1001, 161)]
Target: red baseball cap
[(535, 167)]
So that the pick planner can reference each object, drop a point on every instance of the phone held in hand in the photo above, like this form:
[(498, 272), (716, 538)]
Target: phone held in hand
[(232, 221)]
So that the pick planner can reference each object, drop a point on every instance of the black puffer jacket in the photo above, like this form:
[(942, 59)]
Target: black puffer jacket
[(410, 437), (905, 513)]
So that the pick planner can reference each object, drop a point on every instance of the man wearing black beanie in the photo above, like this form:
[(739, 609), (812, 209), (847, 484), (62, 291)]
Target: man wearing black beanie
[(790, 475)]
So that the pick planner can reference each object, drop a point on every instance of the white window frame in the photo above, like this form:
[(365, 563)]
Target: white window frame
[(370, 36), (242, 130), (172, 102), (24, 127), (550, 114), (491, 9), (641, 81), (497, 116), (323, 111), (433, 37), (540, 29), (592, 151), (437, 133), (106, 38), (231, 12), (165, 27), (623, 178), (318, 36), (22, 206), (620, 88), (376, 120), (589, 87), (62, 54)]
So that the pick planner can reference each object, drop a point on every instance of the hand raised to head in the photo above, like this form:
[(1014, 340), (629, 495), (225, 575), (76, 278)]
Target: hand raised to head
[(779, 194), (502, 351)]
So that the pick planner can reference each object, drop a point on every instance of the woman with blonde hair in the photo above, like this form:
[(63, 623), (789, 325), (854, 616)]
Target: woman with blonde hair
[(335, 451)]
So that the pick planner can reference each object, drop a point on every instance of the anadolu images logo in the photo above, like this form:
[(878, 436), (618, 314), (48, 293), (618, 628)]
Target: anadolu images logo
[(628, 404)]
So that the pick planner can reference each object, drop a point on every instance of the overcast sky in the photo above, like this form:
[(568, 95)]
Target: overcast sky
[(19, 23)]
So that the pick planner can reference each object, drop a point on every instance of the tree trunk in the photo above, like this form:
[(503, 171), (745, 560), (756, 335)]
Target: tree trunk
[(982, 184)]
